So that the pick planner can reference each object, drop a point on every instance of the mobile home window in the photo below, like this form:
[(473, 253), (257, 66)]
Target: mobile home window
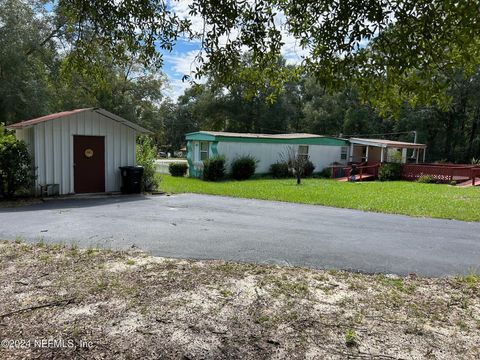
[(203, 150), (344, 153), (303, 151)]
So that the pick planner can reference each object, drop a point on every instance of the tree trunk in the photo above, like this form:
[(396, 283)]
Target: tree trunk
[(449, 136), (473, 133)]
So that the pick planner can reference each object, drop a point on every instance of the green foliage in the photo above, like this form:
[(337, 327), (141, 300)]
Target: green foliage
[(280, 170), (146, 155), (416, 79), (388, 172), (326, 173), (214, 169), (178, 169), (403, 53), (16, 168), (27, 53), (308, 168), (426, 179), (396, 158), (351, 338), (244, 167)]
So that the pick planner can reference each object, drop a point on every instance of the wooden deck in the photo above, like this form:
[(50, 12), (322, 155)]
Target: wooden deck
[(464, 175), (469, 183), (365, 177), (365, 172)]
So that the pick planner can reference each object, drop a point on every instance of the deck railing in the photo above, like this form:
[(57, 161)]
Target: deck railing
[(475, 174), (339, 171), (440, 172)]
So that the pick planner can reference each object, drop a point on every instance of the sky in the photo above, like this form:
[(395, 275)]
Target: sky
[(181, 61)]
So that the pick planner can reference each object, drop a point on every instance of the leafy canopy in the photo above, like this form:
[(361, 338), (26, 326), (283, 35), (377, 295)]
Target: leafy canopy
[(399, 44)]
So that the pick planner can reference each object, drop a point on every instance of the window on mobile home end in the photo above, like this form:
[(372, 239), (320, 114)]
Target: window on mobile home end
[(203, 150), (303, 151)]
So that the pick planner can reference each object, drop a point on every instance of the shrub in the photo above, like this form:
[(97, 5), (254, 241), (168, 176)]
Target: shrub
[(280, 170), (244, 167), (426, 179), (214, 169), (146, 155), (351, 338), (178, 169), (391, 171), (16, 169), (308, 168), (326, 173)]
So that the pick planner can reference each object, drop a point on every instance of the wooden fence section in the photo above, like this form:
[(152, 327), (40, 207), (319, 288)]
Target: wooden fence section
[(439, 172), (476, 176), (465, 175)]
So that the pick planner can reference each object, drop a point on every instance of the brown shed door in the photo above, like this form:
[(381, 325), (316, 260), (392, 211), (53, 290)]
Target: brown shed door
[(89, 164)]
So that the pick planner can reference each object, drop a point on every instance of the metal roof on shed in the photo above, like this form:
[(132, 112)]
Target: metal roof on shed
[(32, 122)]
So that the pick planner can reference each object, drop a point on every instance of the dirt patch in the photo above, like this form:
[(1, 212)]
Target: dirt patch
[(19, 202), (99, 304)]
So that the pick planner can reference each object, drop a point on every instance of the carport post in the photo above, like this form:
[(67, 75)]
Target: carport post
[(404, 155)]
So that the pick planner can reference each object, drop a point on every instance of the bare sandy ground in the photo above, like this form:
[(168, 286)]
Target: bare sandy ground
[(62, 302)]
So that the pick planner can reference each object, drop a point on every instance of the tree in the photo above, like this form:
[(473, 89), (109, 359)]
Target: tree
[(16, 169), (146, 155), (400, 37), (296, 162), (27, 55)]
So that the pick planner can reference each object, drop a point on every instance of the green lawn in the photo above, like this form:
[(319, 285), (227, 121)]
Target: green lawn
[(398, 197)]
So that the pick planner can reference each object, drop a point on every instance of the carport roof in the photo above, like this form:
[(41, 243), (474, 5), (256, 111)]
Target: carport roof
[(32, 122), (386, 143)]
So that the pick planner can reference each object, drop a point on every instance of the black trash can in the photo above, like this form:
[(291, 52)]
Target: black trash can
[(131, 179)]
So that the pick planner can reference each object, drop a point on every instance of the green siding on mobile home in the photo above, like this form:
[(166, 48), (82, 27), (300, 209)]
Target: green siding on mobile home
[(267, 149)]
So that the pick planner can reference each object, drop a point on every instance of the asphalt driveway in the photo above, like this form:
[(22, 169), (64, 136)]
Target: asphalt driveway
[(212, 227)]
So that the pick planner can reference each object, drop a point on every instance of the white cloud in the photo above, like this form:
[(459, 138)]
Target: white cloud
[(182, 9), (175, 88), (183, 63), (291, 50), (180, 64)]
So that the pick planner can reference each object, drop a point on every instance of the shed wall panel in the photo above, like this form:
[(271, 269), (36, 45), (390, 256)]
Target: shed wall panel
[(53, 148)]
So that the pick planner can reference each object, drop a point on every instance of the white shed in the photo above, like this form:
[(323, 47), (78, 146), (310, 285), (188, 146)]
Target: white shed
[(80, 150)]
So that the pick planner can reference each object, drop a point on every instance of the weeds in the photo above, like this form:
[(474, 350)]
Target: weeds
[(351, 338)]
